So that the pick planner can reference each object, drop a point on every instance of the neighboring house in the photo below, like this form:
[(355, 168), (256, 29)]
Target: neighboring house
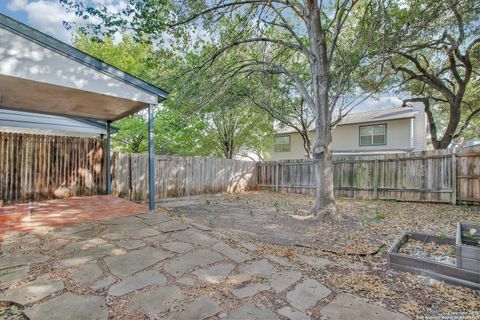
[(394, 130)]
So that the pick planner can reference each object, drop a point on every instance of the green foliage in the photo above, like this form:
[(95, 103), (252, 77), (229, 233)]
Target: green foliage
[(191, 122)]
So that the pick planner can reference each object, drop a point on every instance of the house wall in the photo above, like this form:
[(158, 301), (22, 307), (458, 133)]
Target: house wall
[(347, 138)]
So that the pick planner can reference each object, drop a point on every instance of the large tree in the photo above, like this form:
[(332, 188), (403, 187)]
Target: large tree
[(430, 46), (311, 32)]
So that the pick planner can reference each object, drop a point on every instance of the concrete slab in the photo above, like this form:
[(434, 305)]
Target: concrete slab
[(249, 290), (348, 307), (9, 277), (190, 260), (251, 312), (202, 308), (195, 237), (102, 283), (171, 226), (134, 261), (32, 291), (261, 268), (283, 279), (293, 314), (177, 246), (131, 244), (214, 274), (138, 281), (306, 294), (155, 301), (17, 259), (70, 306), (86, 273), (231, 253)]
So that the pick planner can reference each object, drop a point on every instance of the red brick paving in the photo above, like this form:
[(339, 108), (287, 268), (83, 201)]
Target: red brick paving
[(61, 212)]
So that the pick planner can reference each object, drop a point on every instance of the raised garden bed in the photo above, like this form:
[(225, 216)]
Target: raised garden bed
[(431, 256), (468, 246)]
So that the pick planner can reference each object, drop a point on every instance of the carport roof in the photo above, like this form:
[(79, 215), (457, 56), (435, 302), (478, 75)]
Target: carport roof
[(115, 102)]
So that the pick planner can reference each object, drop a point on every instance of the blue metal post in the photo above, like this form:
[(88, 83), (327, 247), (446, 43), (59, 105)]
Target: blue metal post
[(151, 160), (108, 175)]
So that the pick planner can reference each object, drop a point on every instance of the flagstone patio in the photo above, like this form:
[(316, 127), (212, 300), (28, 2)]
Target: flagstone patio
[(159, 266)]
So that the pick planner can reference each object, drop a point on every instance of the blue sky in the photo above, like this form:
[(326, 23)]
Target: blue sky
[(48, 16)]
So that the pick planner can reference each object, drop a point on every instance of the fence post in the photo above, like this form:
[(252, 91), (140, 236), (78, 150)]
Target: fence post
[(376, 174), (277, 183), (454, 178)]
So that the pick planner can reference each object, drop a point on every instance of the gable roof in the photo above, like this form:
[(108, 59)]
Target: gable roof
[(368, 117), (379, 115), (67, 50)]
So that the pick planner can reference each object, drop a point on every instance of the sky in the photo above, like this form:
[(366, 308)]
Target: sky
[(48, 16)]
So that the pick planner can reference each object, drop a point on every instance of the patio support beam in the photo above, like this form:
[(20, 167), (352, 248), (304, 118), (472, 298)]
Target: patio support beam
[(151, 160), (107, 154)]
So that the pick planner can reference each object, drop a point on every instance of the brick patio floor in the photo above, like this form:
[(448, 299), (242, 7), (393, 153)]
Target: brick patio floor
[(61, 212)]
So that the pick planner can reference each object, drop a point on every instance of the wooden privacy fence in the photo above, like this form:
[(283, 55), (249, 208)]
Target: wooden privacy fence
[(179, 176), (35, 167), (431, 176)]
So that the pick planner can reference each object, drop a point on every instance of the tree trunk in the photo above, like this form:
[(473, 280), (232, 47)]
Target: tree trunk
[(322, 153)]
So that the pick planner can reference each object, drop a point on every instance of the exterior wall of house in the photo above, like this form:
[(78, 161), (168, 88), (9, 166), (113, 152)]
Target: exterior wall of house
[(26, 59), (346, 138)]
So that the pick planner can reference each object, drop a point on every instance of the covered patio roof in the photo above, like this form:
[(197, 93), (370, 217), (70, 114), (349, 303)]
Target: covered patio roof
[(63, 80), (41, 74)]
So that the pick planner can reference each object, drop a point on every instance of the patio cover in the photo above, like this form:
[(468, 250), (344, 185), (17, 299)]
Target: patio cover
[(41, 74)]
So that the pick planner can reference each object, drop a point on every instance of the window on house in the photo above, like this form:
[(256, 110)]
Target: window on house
[(373, 135), (281, 144)]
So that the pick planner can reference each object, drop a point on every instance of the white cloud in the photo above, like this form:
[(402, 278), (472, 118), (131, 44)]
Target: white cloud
[(48, 15)]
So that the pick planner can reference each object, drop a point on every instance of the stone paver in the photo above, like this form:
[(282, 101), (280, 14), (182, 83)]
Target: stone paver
[(103, 283), (171, 226), (77, 257), (153, 218), (283, 279), (186, 281), (279, 260), (251, 312), (143, 233), (86, 273), (214, 274), (293, 314), (70, 306), (156, 240), (315, 262), (32, 291), (202, 308), (131, 244), (134, 261), (187, 262), (17, 259), (261, 268), (249, 290), (307, 294), (195, 237), (138, 281), (177, 246), (12, 276), (348, 307), (231, 253), (156, 300)]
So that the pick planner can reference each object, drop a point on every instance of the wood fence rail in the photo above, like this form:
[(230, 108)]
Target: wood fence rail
[(37, 167), (430, 176)]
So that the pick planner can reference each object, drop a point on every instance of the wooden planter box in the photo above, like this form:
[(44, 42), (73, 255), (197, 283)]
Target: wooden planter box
[(448, 273), (468, 250)]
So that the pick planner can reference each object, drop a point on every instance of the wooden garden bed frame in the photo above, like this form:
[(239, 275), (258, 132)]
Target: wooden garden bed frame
[(441, 271)]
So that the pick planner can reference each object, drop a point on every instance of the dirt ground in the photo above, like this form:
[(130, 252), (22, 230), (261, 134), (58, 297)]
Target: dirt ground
[(265, 220)]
